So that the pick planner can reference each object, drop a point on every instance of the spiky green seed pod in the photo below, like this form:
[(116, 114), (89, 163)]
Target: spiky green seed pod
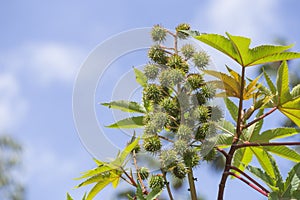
[(201, 59), (184, 27), (168, 159), (180, 146), (195, 81), (201, 113), (184, 133), (202, 131), (158, 33), (151, 71), (180, 170), (152, 144), (157, 181), (158, 55), (176, 62), (183, 101), (151, 129), (170, 77), (191, 158), (144, 173), (211, 155), (152, 93), (170, 106), (188, 51), (199, 99), (208, 91), (136, 149), (215, 113)]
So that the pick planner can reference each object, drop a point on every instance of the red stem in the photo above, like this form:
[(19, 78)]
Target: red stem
[(250, 184), (259, 118)]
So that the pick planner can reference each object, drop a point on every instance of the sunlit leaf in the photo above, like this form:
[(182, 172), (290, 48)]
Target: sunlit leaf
[(126, 106), (140, 77), (131, 122), (232, 108)]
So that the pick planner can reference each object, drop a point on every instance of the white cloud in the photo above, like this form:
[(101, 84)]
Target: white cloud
[(45, 62), (12, 106)]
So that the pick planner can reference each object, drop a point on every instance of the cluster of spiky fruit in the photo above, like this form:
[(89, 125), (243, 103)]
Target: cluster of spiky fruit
[(176, 96)]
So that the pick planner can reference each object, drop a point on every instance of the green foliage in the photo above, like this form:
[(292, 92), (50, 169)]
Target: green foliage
[(178, 122)]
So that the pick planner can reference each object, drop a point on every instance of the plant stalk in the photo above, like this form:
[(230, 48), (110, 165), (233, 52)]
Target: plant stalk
[(235, 139), (192, 184)]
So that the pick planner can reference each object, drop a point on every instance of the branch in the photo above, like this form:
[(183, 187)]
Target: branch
[(222, 151), (192, 184), (167, 184), (165, 138), (130, 177), (237, 146), (250, 184), (248, 177), (138, 173), (235, 140), (259, 118)]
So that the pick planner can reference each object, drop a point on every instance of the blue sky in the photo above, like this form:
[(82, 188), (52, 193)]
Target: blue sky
[(44, 43)]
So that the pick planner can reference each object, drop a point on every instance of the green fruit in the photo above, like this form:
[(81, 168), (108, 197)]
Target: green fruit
[(152, 144), (215, 113), (202, 132), (176, 62), (184, 133), (191, 158), (144, 173), (158, 55), (170, 77), (156, 182), (182, 27), (158, 33), (201, 59), (201, 113), (151, 71), (152, 92), (208, 91), (188, 51), (168, 159), (180, 170), (195, 81), (180, 146)]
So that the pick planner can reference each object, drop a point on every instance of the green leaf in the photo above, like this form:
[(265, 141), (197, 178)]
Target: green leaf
[(284, 152), (140, 77), (154, 194), (291, 109), (228, 130), (139, 192), (131, 122), (270, 83), (292, 182), (69, 197), (276, 133), (123, 155), (242, 158), (263, 176), (126, 106), (283, 84), (232, 108), (98, 187), (266, 164), (237, 47), (295, 91), (220, 43)]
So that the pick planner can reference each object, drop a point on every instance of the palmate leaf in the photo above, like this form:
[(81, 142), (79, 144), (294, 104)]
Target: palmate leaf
[(125, 106), (131, 122), (232, 108), (237, 47), (231, 84), (107, 173), (140, 77)]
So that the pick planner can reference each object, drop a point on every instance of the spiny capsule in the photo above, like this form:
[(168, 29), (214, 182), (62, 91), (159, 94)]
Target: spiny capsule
[(176, 62), (158, 54), (184, 133), (201, 113), (195, 81), (151, 71), (152, 92), (187, 51), (191, 158), (144, 173), (180, 170), (201, 59), (152, 144), (158, 33), (182, 27), (168, 159), (156, 181)]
